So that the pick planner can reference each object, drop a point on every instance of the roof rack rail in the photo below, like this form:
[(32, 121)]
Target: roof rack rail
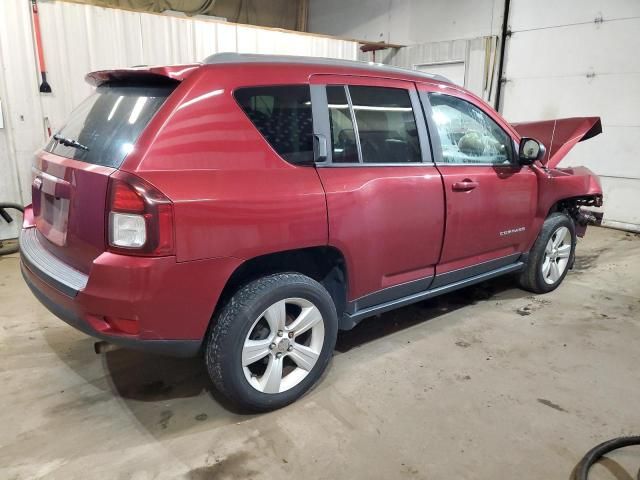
[(233, 57)]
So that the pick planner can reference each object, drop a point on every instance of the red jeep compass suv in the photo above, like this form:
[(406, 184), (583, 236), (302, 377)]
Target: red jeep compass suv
[(251, 206)]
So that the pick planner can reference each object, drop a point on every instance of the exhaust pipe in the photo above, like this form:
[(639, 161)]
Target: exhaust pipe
[(104, 347)]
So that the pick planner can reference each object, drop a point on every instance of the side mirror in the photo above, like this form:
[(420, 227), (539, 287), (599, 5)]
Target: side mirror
[(530, 150)]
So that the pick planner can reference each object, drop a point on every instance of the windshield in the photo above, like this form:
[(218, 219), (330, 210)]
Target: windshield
[(107, 124)]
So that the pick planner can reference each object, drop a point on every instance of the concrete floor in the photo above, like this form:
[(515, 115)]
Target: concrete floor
[(488, 383)]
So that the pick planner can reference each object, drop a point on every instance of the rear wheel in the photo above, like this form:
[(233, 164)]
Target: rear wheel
[(551, 256), (272, 341)]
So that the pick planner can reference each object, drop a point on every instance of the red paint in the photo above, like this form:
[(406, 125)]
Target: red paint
[(387, 221), (233, 198), (499, 199), (81, 239), (505, 198), (169, 300)]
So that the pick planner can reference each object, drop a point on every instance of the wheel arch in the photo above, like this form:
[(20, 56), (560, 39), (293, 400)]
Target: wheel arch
[(571, 206), (325, 264)]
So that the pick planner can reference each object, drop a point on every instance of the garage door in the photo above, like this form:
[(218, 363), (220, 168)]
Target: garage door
[(580, 58)]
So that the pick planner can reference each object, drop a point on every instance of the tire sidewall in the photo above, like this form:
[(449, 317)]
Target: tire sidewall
[(229, 354)]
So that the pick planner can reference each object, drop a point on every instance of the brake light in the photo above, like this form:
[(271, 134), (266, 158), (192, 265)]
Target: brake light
[(126, 199), (139, 219)]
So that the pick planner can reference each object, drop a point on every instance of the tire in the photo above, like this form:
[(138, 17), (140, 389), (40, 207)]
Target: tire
[(540, 276), (248, 343)]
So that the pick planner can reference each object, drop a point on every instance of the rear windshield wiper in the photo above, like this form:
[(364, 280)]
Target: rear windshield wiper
[(70, 142)]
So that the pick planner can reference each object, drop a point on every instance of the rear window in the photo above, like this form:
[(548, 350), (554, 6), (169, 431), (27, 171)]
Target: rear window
[(282, 114), (108, 123)]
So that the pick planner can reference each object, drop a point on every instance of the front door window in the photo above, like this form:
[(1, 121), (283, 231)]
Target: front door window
[(467, 134)]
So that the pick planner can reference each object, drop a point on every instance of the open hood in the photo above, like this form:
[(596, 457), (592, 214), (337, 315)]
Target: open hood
[(560, 135)]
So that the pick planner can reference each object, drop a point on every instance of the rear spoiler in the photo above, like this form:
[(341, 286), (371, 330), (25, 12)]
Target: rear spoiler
[(154, 75), (560, 135)]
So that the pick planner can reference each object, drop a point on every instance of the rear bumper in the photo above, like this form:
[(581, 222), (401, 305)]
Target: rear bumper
[(174, 348), (169, 303), (64, 278)]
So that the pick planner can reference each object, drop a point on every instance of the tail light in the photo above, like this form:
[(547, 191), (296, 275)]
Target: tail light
[(139, 219)]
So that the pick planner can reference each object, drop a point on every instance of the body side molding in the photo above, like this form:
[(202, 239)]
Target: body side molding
[(355, 315)]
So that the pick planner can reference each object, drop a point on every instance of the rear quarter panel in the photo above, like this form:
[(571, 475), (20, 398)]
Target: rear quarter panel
[(233, 195)]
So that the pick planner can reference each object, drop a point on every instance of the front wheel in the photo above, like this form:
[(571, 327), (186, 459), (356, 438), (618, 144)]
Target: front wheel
[(272, 341), (551, 256)]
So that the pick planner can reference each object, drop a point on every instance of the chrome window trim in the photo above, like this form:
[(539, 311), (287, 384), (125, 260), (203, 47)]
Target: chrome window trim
[(457, 164), (389, 164), (354, 122)]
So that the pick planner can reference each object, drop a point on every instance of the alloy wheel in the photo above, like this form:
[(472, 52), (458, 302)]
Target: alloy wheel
[(283, 345), (556, 255)]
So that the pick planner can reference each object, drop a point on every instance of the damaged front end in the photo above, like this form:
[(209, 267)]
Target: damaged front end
[(567, 190), (582, 218)]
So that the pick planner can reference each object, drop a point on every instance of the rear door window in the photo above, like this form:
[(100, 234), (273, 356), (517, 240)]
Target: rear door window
[(282, 114), (386, 125), (372, 125), (108, 123)]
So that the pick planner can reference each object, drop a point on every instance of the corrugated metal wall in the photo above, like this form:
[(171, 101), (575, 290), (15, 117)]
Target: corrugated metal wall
[(289, 14), (81, 38), (580, 58)]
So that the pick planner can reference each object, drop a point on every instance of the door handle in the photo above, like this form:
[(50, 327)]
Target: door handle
[(465, 185), (320, 152)]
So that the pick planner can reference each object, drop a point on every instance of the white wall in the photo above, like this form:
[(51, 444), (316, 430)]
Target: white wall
[(406, 22), (23, 129), (476, 61), (8, 187), (79, 39), (580, 58), (434, 32)]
